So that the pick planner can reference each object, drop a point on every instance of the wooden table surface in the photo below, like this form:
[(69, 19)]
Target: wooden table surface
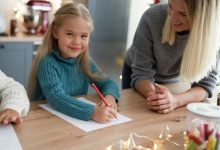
[(43, 130)]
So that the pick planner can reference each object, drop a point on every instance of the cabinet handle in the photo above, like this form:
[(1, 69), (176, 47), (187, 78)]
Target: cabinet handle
[(2, 46)]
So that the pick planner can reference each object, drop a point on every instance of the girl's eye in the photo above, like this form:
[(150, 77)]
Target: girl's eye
[(69, 34), (84, 36), (183, 14)]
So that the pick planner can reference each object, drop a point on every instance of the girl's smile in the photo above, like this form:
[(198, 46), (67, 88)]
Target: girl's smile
[(73, 37), (75, 48)]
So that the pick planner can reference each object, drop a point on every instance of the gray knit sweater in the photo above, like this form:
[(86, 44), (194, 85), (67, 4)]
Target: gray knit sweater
[(151, 60)]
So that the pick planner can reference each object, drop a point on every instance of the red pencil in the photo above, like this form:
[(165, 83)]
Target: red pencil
[(99, 94)]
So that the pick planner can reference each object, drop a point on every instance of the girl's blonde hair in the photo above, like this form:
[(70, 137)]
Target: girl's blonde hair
[(201, 50), (65, 12)]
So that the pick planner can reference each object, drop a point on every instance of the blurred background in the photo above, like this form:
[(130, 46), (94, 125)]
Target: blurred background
[(24, 22)]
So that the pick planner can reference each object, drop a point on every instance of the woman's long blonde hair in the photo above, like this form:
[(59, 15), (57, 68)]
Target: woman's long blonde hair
[(203, 44), (49, 43)]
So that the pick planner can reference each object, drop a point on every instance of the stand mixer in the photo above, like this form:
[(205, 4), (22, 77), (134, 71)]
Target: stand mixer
[(37, 20)]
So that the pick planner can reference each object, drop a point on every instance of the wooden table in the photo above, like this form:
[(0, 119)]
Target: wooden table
[(43, 130)]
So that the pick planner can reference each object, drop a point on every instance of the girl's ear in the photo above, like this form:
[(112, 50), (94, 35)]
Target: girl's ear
[(55, 33)]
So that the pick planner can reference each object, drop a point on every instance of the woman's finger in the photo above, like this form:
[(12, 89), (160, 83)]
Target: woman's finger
[(161, 87), (164, 111), (159, 102), (160, 107), (156, 97)]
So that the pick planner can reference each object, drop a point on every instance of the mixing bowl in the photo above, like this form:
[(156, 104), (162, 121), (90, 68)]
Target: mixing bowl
[(31, 22)]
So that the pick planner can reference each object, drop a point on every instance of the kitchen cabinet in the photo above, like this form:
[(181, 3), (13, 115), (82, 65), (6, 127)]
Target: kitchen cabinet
[(16, 60)]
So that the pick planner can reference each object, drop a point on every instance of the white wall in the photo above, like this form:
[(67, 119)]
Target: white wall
[(138, 7)]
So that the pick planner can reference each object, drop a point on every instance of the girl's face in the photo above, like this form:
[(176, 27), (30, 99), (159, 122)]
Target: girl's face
[(73, 37), (178, 15)]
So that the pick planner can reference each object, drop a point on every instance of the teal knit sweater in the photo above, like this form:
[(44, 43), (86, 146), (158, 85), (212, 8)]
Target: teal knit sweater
[(59, 79)]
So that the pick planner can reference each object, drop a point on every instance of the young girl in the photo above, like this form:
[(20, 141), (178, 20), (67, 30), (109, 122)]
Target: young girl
[(14, 102), (62, 68)]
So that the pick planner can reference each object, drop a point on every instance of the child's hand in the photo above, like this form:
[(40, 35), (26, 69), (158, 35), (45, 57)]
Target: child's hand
[(111, 101), (10, 116), (103, 114)]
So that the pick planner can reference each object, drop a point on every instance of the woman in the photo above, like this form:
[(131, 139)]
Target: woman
[(174, 42)]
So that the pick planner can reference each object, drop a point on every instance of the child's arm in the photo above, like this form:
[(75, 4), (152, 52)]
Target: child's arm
[(13, 96), (57, 96)]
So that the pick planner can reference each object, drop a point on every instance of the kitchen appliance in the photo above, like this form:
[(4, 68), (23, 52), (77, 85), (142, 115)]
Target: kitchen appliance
[(37, 19)]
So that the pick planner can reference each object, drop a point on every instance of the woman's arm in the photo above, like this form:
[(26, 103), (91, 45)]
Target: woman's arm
[(144, 87), (163, 101), (143, 61), (195, 94)]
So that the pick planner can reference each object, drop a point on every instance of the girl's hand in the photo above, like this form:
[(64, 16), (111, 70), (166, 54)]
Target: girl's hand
[(162, 101), (103, 114), (10, 116), (111, 101)]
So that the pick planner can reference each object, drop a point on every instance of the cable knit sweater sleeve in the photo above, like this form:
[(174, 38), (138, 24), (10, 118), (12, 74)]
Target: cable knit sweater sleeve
[(53, 89), (209, 82), (143, 60), (106, 86), (13, 95)]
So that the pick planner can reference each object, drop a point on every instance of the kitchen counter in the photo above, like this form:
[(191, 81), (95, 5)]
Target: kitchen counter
[(37, 39)]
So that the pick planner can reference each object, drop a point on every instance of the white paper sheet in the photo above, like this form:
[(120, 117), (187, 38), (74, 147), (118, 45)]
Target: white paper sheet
[(87, 126), (8, 138)]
